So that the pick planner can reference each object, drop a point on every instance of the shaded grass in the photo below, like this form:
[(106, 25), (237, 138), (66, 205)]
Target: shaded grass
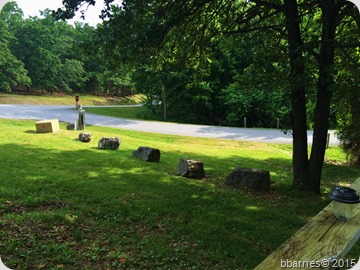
[(66, 204), (128, 112), (140, 113)]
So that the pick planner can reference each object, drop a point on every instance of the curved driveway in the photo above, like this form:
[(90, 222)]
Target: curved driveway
[(68, 114)]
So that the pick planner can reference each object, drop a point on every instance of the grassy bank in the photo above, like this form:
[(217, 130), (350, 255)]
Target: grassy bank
[(38, 98), (68, 205), (126, 112)]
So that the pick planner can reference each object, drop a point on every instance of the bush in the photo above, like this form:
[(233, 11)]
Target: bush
[(349, 128), (350, 142)]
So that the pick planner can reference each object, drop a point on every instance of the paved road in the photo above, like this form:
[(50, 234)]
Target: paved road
[(68, 114)]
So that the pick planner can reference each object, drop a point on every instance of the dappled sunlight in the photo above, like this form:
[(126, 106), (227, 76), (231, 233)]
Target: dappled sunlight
[(345, 184), (93, 174), (36, 178), (202, 197), (253, 208), (142, 202)]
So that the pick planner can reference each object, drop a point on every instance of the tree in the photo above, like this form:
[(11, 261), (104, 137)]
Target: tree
[(12, 71), (347, 109), (307, 172), (349, 129), (34, 47), (11, 13), (142, 28), (46, 47), (71, 76)]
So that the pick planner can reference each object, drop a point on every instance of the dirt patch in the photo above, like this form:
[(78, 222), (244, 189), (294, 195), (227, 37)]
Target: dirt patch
[(336, 162), (14, 208), (34, 244)]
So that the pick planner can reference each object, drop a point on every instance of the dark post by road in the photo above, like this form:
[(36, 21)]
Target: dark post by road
[(77, 100)]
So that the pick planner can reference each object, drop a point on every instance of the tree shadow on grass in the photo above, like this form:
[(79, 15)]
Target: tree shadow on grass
[(143, 207)]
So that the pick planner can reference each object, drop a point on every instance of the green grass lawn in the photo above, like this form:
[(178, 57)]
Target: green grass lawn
[(38, 98), (125, 112), (68, 205)]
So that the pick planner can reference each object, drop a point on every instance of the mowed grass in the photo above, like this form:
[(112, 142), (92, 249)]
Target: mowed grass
[(68, 205), (125, 112), (38, 98)]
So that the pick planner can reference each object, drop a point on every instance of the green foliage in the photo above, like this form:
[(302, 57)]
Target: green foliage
[(117, 82), (349, 124), (71, 76), (350, 141), (195, 82), (260, 93), (346, 106), (12, 71), (102, 75), (55, 56), (37, 46), (11, 13)]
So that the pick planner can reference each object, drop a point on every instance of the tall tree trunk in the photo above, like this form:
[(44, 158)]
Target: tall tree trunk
[(163, 101), (324, 93), (298, 99)]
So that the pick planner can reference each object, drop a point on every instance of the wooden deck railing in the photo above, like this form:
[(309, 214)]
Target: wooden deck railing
[(320, 244)]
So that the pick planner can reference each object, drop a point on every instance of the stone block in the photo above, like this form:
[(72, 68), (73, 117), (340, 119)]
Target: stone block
[(70, 126), (244, 178), (191, 168), (47, 126), (85, 137), (110, 143), (147, 154)]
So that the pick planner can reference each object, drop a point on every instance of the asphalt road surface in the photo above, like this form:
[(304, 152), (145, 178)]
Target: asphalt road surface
[(68, 114)]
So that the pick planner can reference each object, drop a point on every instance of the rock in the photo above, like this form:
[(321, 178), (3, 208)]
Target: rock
[(191, 168), (147, 154), (70, 126), (85, 137), (244, 178), (110, 143)]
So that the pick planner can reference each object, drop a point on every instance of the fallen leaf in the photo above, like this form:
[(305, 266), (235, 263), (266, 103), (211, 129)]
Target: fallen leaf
[(71, 218), (122, 260)]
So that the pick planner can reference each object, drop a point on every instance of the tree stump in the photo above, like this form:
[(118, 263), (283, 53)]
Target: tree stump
[(147, 154), (110, 143), (191, 168), (244, 178)]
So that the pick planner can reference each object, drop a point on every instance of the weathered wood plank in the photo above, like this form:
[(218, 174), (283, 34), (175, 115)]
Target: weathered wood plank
[(324, 237)]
